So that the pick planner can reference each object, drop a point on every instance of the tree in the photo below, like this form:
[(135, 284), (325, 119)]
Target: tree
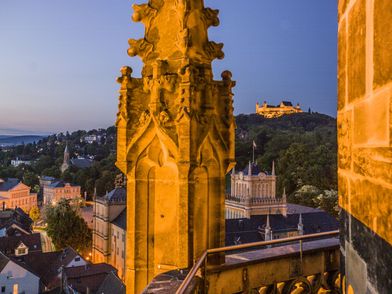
[(312, 196), (35, 214), (30, 179), (66, 227)]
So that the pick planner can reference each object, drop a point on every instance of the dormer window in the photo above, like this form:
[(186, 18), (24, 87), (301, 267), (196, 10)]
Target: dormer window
[(22, 249)]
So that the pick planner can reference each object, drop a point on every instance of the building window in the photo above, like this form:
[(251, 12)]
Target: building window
[(21, 251), (122, 253), (77, 258), (2, 289)]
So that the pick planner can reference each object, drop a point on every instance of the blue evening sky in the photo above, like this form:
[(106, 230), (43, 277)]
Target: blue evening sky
[(59, 58)]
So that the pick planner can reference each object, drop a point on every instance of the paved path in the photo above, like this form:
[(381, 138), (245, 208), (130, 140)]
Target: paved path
[(46, 242)]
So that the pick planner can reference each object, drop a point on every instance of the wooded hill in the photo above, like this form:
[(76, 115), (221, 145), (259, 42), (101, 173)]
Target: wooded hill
[(303, 146)]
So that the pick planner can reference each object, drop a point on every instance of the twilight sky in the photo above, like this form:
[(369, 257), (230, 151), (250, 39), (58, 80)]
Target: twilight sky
[(59, 59)]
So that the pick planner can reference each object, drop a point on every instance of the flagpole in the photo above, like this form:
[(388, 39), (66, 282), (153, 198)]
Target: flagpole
[(253, 146)]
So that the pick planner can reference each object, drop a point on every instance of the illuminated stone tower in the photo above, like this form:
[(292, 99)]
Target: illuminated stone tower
[(175, 140)]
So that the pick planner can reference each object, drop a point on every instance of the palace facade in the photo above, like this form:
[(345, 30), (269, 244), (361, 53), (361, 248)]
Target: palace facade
[(253, 192), (272, 111)]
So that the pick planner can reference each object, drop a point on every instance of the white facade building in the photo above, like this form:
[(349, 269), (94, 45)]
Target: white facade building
[(16, 162), (253, 192), (14, 278)]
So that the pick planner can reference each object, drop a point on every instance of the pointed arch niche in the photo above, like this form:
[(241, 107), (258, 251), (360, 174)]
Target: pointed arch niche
[(156, 208)]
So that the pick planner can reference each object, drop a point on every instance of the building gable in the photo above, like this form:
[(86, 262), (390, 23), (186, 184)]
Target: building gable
[(20, 187)]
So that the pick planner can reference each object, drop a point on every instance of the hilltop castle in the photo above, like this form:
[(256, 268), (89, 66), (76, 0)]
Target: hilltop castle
[(271, 111)]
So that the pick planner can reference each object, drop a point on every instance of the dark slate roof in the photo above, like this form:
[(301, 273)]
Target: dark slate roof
[(287, 103), (47, 178), (121, 220), (255, 169), (3, 261), (46, 265), (18, 217), (252, 230), (13, 227), (169, 282), (296, 209), (90, 276), (8, 184), (111, 285), (116, 195), (81, 162), (58, 184), (6, 214), (9, 244)]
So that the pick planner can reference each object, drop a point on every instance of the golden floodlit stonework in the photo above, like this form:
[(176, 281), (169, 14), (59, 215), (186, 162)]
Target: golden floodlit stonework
[(175, 140), (365, 142), (364, 116)]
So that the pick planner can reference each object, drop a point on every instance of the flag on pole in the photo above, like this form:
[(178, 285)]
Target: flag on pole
[(254, 144)]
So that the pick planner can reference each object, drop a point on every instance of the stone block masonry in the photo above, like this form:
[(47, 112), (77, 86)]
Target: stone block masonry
[(365, 143)]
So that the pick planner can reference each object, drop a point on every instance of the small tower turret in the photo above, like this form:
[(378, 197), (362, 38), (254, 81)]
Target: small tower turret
[(268, 230), (300, 225)]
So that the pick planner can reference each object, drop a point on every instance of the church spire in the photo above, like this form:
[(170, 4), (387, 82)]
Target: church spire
[(66, 159)]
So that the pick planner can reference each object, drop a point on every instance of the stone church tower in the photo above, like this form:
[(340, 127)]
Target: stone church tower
[(175, 140)]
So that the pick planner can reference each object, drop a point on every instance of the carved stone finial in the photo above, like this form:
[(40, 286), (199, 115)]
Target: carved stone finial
[(175, 29), (126, 71), (226, 75)]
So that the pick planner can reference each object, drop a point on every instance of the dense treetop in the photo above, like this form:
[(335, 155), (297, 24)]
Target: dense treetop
[(303, 146)]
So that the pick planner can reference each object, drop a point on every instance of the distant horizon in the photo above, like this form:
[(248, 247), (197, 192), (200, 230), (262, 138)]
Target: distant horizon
[(20, 132)]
